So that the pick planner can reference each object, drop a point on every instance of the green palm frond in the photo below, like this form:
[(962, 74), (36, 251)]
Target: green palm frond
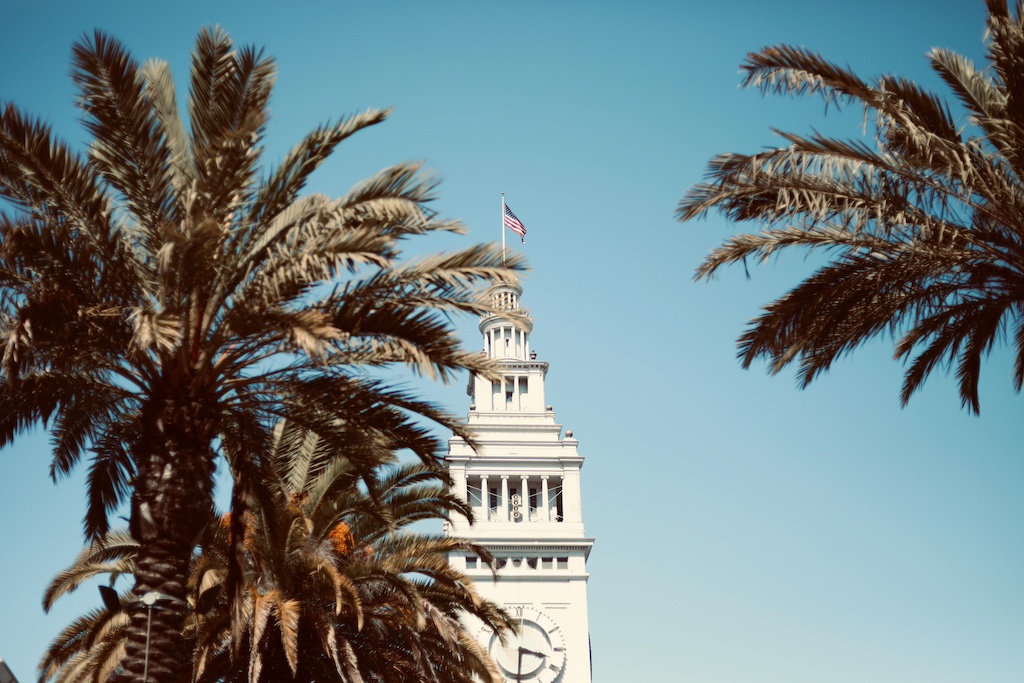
[(787, 70), (281, 189), (127, 149), (80, 422), (36, 398), (226, 164), (162, 93), (212, 64), (920, 223), (88, 649), (43, 175), (112, 556)]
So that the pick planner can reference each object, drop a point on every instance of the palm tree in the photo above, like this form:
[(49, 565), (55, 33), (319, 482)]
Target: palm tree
[(336, 585), (923, 226), (164, 300)]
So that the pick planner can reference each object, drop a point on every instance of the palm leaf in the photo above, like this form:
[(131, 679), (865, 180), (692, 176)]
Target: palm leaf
[(127, 149), (919, 223)]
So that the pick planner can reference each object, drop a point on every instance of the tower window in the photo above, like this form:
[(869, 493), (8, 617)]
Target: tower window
[(562, 563)]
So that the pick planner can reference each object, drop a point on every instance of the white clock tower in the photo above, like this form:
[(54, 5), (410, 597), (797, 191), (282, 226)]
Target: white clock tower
[(523, 483)]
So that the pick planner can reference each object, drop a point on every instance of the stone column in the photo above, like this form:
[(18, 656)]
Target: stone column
[(504, 497), (572, 508), (485, 498), (561, 496), (460, 483), (546, 516), (524, 493)]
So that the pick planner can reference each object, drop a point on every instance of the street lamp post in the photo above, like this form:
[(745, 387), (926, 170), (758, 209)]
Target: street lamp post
[(150, 600)]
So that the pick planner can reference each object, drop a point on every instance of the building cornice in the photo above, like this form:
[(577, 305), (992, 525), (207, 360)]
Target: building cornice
[(510, 545), (520, 364)]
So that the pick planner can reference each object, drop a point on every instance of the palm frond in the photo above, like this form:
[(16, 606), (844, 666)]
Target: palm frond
[(45, 176), (128, 150), (162, 93), (288, 621), (113, 556), (212, 64), (280, 190), (788, 70), (920, 224), (108, 483)]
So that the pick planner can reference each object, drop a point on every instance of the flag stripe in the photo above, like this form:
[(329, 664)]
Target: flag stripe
[(514, 224)]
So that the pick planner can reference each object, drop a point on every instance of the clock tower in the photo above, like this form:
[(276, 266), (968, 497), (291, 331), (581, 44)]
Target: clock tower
[(523, 483)]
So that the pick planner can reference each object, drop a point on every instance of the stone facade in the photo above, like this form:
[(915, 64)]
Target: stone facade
[(523, 483)]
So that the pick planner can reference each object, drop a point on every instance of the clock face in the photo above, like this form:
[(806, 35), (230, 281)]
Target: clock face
[(536, 654)]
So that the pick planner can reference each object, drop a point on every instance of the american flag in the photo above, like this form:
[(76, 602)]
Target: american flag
[(514, 224)]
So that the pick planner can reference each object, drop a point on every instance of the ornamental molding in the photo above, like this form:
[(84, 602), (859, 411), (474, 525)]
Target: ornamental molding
[(520, 364), (535, 546)]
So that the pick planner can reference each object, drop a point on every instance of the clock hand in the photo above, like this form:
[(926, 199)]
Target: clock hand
[(523, 650)]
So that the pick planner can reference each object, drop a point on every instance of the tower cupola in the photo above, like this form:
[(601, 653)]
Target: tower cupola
[(507, 336), (506, 339)]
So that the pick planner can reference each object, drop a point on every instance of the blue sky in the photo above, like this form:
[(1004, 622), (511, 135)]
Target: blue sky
[(747, 531)]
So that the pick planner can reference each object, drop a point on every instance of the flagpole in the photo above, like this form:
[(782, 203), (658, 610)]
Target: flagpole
[(502, 228)]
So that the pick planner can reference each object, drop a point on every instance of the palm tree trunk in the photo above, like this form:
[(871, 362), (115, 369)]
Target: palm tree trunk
[(154, 649), (173, 500)]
